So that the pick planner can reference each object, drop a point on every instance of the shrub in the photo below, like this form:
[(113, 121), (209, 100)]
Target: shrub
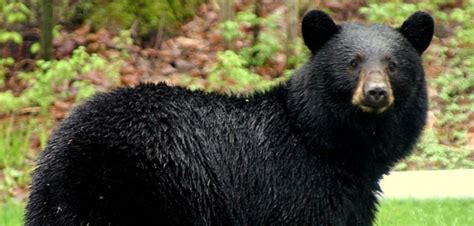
[(52, 81), (121, 14)]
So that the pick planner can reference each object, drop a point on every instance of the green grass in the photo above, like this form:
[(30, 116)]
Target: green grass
[(435, 212), (11, 213), (15, 139), (16, 162), (14, 142), (17, 153)]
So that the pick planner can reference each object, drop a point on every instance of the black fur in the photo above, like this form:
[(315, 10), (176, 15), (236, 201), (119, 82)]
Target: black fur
[(418, 29), (298, 154)]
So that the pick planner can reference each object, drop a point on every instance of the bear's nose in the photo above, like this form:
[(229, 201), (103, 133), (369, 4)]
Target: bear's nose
[(376, 95)]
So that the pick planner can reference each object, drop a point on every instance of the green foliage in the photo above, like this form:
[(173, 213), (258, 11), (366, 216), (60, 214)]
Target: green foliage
[(14, 178), (230, 30), (5, 63), (269, 41), (384, 12), (11, 13), (121, 14), (455, 84), (456, 101), (300, 53), (35, 48), (230, 74), (12, 36), (395, 12), (52, 75), (234, 70), (431, 154), (123, 41)]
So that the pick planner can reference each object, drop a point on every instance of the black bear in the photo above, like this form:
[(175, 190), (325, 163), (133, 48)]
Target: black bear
[(307, 152)]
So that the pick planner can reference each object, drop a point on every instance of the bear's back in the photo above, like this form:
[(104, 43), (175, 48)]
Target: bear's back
[(217, 159)]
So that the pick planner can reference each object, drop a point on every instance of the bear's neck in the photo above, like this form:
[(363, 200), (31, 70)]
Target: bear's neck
[(355, 141)]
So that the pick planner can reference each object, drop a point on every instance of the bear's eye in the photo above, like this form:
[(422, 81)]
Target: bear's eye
[(392, 66), (354, 63)]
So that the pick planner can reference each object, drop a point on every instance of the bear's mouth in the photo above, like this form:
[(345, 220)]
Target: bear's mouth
[(369, 109)]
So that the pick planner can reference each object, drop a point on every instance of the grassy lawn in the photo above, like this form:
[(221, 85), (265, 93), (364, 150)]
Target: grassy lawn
[(11, 213), (445, 212), (436, 212)]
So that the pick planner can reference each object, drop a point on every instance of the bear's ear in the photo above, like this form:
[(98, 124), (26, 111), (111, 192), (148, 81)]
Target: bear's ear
[(418, 30), (317, 28)]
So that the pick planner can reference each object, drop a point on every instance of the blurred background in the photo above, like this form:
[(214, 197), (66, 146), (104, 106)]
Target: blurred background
[(56, 53)]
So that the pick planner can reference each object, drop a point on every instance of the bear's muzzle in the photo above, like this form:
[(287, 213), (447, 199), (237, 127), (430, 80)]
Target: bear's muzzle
[(373, 93)]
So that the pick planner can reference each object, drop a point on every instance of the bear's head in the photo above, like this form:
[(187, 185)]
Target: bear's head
[(370, 67)]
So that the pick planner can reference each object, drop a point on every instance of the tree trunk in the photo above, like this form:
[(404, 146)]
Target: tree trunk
[(292, 30), (256, 27), (226, 12), (46, 29)]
